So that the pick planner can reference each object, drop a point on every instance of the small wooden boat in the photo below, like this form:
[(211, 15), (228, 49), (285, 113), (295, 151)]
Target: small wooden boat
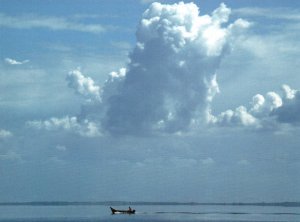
[(115, 211)]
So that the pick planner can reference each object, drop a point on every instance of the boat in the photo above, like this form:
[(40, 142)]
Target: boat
[(129, 211)]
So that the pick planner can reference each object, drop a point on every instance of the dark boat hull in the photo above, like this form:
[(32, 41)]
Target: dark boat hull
[(115, 211)]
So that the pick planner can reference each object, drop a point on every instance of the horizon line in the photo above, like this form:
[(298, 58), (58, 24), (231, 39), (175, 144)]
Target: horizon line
[(120, 203)]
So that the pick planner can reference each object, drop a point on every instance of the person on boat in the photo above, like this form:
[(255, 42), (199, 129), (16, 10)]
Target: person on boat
[(129, 208)]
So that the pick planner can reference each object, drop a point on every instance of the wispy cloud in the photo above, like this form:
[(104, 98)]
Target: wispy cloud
[(52, 23), (61, 147), (146, 1), (11, 156), (121, 45), (95, 16), (271, 13), (208, 161), (5, 133), (15, 62)]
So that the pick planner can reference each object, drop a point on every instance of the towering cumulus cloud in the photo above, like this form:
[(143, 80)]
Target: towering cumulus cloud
[(171, 78), (168, 84)]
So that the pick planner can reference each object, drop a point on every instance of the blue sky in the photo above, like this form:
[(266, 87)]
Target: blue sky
[(102, 100)]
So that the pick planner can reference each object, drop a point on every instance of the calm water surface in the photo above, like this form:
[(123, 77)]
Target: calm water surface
[(149, 213)]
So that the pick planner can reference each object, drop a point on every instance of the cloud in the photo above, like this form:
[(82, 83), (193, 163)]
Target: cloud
[(243, 162), (289, 112), (238, 117), (15, 62), (289, 93), (265, 112), (84, 86), (121, 45), (183, 162), (84, 128), (170, 82), (171, 77), (11, 156), (208, 161), (52, 23), (61, 147), (271, 13), (85, 123), (5, 133), (171, 163), (146, 1)]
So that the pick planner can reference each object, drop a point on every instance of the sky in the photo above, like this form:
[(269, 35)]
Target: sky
[(150, 101)]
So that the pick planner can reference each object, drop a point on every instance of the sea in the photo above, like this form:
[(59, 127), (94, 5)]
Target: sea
[(149, 213)]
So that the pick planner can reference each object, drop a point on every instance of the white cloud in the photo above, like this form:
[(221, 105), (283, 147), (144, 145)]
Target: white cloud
[(212, 88), (266, 112), (289, 93), (84, 128), (61, 147), (171, 77), (15, 62), (239, 117), (117, 75), (84, 86), (171, 80), (52, 23), (5, 133), (168, 84), (258, 102), (208, 161)]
